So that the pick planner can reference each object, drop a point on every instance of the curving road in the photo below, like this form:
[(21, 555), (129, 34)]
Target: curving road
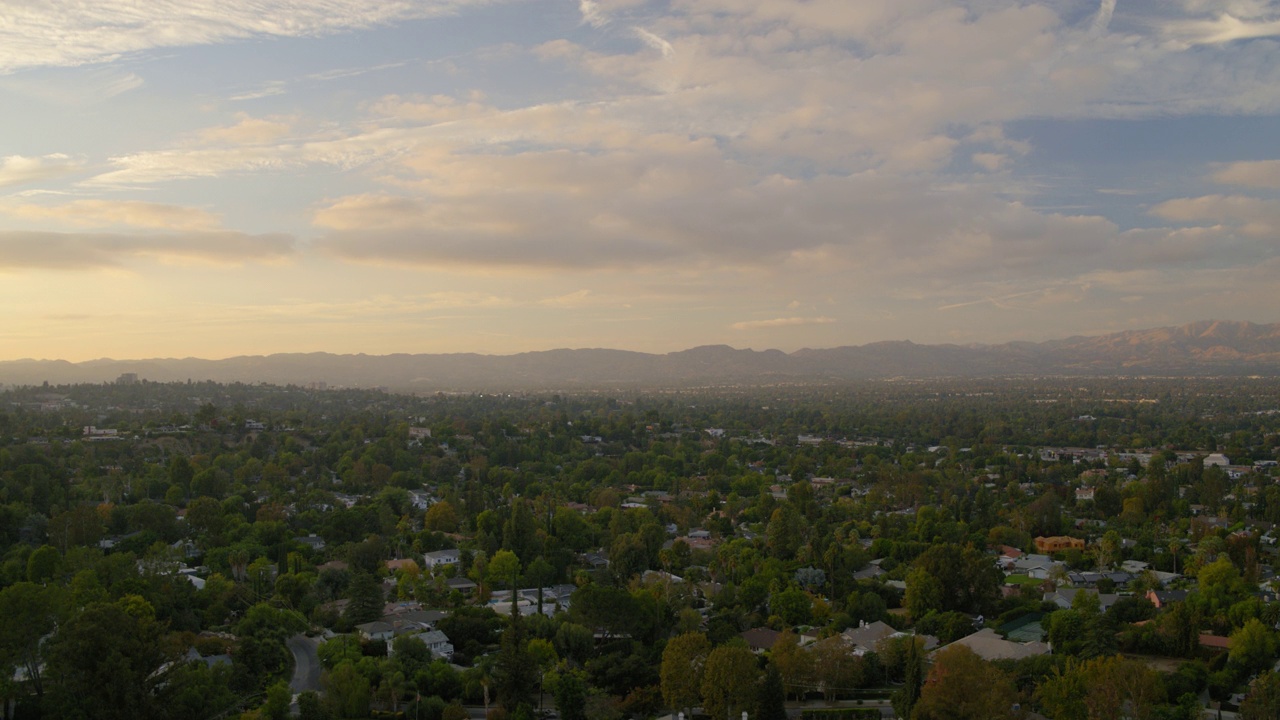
[(306, 664)]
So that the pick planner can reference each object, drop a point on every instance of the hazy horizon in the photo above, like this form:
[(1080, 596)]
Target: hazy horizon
[(491, 176)]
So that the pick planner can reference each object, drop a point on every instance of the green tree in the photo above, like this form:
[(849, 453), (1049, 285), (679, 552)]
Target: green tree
[(729, 682), (515, 675), (683, 662), (108, 662), (367, 600), (924, 593), (905, 699), (43, 564), (785, 532), (195, 690), (570, 690), (204, 517), (262, 655), (311, 707), (28, 612), (1253, 646), (772, 701), (346, 692), (278, 699), (793, 605), (442, 517), (504, 569)]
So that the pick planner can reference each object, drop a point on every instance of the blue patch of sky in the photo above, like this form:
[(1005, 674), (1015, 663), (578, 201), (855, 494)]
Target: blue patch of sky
[(1120, 168)]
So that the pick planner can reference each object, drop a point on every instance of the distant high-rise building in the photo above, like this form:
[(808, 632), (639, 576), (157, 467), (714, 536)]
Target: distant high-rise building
[(127, 379)]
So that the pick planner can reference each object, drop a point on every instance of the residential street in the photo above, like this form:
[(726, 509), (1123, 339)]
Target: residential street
[(306, 670)]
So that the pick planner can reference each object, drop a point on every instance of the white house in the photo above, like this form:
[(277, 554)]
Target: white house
[(438, 558), (437, 642)]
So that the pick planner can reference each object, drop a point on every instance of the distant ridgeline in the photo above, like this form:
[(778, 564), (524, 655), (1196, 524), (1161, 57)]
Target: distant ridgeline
[(1198, 349)]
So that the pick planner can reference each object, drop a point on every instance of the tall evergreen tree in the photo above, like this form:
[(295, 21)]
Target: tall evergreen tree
[(366, 600), (515, 673), (904, 700), (772, 703)]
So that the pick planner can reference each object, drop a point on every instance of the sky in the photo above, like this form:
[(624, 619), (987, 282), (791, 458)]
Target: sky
[(200, 179)]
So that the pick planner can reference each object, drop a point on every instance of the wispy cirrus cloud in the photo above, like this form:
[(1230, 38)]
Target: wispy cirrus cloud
[(132, 213), (62, 33), (781, 322), (25, 249), (1224, 28)]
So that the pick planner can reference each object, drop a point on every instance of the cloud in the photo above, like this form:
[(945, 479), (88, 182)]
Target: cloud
[(74, 90), (828, 141), (781, 322), (19, 170), (1253, 216), (579, 298), (990, 162), (1001, 302), (267, 89), (22, 249), (1223, 29), (1106, 11), (598, 13), (62, 33), (655, 42), (248, 131), (621, 199), (591, 13), (99, 213), (1259, 174)]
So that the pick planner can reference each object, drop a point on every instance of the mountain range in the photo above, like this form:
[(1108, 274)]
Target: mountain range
[(1196, 349)]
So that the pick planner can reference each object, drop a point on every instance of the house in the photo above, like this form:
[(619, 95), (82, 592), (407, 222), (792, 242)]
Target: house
[(1065, 597), (1085, 494), (378, 630), (439, 558), (420, 499), (1161, 598), (1058, 543), (1010, 552), (404, 564), (1134, 567), (1217, 459), (760, 639), (867, 636), (1039, 567), (461, 584), (1216, 643), (988, 645), (870, 572), (193, 655), (596, 560), (311, 542), (437, 642)]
